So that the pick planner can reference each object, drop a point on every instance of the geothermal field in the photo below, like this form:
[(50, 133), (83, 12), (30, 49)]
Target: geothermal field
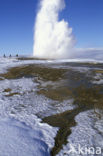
[(50, 107), (51, 104)]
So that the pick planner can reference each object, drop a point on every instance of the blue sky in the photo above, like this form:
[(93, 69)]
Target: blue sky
[(17, 22)]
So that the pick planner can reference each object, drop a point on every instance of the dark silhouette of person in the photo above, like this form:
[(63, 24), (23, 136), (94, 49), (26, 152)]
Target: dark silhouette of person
[(10, 55), (16, 55), (4, 56)]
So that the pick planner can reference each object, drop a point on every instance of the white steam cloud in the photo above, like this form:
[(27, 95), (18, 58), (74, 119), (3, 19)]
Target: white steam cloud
[(52, 38)]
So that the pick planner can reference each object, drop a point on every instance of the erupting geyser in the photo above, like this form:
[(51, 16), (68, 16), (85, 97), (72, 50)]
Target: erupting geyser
[(52, 38)]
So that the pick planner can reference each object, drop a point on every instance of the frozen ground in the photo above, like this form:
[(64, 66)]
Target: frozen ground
[(98, 79), (88, 133), (16, 138), (21, 131)]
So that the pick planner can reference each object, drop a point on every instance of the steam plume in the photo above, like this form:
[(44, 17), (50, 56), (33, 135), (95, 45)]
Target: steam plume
[(52, 38)]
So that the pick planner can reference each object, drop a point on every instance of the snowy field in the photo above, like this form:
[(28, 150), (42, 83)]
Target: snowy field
[(21, 131)]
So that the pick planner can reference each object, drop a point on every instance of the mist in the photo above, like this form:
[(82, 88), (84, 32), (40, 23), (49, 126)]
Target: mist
[(52, 38)]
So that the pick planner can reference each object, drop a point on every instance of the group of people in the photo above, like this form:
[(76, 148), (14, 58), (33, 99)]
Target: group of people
[(10, 55)]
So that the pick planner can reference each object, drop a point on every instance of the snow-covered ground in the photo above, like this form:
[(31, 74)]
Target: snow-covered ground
[(86, 135), (21, 131), (98, 79), (6, 63), (17, 138)]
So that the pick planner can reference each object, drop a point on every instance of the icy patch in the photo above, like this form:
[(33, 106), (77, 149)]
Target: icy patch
[(5, 63), (20, 130), (98, 76), (56, 107), (98, 82), (48, 132), (16, 138), (87, 133), (19, 85), (98, 79), (23, 108), (65, 105), (27, 100)]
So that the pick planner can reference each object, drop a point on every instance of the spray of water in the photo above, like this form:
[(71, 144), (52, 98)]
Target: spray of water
[(52, 38)]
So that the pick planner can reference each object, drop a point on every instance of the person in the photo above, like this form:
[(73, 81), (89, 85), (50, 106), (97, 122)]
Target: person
[(4, 56), (16, 55), (10, 55)]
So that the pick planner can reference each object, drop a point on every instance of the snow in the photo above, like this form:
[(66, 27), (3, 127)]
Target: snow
[(27, 99), (21, 131), (87, 133), (98, 79), (98, 82), (16, 138), (6, 63), (21, 108)]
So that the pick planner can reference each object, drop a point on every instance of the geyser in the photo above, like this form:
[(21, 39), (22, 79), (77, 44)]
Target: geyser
[(52, 38)]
